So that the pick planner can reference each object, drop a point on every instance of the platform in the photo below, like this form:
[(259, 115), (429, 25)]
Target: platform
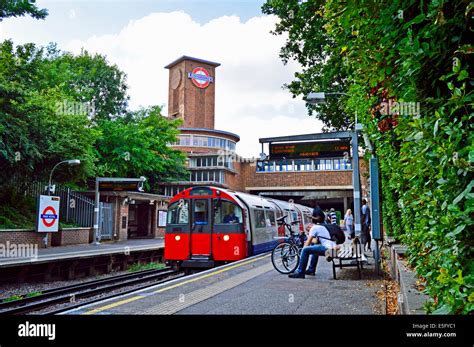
[(83, 251), (250, 286)]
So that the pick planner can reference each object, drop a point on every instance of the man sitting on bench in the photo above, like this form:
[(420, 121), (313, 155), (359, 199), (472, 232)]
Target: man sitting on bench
[(322, 235)]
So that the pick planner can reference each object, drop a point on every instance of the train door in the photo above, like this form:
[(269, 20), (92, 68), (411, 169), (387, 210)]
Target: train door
[(201, 228)]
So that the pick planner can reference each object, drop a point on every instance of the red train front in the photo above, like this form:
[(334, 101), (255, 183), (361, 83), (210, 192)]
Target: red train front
[(205, 226)]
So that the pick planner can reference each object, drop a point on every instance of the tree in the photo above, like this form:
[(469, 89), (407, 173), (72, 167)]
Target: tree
[(137, 145), (18, 8), (404, 52), (90, 79), (34, 136), (318, 54)]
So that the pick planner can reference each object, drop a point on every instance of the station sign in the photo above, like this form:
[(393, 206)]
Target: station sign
[(326, 149), (200, 77), (47, 219)]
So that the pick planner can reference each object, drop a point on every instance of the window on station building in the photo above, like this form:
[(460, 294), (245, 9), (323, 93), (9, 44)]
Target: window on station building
[(207, 176), (183, 140), (303, 165), (284, 165), (205, 141), (329, 164)]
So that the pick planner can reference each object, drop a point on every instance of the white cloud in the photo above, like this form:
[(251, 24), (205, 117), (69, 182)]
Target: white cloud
[(250, 100)]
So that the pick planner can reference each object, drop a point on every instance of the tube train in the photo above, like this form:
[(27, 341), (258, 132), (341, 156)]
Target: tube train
[(207, 226)]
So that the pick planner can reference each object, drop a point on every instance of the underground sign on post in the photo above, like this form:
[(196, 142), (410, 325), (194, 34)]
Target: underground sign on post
[(47, 219)]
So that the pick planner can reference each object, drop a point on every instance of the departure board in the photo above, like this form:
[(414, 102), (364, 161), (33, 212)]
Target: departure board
[(309, 149)]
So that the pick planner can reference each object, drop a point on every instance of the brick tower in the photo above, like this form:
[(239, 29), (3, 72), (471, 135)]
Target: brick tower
[(192, 91)]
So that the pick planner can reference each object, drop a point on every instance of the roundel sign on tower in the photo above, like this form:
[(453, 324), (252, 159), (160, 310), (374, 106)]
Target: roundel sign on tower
[(47, 213), (200, 77)]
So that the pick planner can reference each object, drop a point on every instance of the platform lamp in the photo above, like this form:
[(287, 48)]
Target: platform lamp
[(318, 98), (71, 162)]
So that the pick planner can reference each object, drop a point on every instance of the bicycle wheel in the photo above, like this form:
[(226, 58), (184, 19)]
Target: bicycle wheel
[(285, 258)]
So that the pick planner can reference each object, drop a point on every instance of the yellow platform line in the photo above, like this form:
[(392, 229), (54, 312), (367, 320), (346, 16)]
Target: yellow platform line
[(138, 296)]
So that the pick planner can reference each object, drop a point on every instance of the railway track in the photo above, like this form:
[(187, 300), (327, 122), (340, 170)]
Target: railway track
[(78, 292)]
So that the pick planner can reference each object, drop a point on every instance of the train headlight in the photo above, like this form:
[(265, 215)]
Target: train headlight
[(226, 237), (177, 237)]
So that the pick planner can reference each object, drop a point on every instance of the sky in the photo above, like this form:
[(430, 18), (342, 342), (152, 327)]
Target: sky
[(142, 36)]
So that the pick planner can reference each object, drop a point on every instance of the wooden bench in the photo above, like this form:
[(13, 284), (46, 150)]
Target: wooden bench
[(351, 253)]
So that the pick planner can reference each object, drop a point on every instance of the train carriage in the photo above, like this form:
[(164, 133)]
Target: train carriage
[(207, 226)]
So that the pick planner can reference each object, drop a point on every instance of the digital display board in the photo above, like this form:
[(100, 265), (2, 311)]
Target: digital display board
[(118, 186), (309, 149)]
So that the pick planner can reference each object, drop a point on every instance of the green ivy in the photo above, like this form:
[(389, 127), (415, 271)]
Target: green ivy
[(410, 51)]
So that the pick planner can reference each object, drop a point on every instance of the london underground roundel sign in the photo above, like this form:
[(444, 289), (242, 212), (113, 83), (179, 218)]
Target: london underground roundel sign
[(200, 77), (47, 213), (49, 216)]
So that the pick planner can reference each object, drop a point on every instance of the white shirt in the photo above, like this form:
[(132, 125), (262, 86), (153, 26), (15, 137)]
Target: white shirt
[(319, 230)]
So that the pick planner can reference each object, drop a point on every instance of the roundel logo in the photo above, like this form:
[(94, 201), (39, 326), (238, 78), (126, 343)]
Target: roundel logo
[(200, 77), (49, 216)]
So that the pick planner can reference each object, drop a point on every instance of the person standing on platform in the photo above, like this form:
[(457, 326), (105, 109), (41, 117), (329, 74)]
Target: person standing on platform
[(365, 236), (333, 216), (349, 224)]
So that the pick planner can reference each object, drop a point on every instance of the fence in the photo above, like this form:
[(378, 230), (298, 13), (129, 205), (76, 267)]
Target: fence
[(74, 207)]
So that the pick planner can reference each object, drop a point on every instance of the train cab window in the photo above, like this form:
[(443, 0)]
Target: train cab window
[(200, 213), (226, 212), (260, 219), (178, 212)]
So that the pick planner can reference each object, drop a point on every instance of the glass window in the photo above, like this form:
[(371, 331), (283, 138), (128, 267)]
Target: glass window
[(302, 165), (270, 219), (270, 166), (214, 161), (346, 164), (328, 164), (260, 219), (200, 212), (205, 176), (226, 212), (178, 212), (337, 164)]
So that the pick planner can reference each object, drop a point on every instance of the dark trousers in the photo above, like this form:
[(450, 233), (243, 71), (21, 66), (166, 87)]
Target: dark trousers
[(365, 235)]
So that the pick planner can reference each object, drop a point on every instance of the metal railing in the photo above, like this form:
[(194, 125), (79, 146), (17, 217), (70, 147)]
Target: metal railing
[(74, 207)]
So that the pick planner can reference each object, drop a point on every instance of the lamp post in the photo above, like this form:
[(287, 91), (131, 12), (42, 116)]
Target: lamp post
[(71, 162), (317, 98)]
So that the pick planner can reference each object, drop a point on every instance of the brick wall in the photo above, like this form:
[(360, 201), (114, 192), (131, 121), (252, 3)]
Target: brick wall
[(251, 178), (122, 233), (248, 177), (22, 236), (71, 236), (187, 101)]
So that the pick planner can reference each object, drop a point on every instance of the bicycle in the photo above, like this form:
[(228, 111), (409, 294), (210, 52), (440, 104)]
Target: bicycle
[(286, 255)]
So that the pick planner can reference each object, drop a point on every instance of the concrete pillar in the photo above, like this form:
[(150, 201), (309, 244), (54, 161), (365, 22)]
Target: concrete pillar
[(346, 204)]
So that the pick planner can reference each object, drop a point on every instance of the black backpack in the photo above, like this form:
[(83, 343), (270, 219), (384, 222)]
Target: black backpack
[(337, 234)]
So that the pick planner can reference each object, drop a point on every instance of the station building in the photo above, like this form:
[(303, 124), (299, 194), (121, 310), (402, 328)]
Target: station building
[(309, 177)]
